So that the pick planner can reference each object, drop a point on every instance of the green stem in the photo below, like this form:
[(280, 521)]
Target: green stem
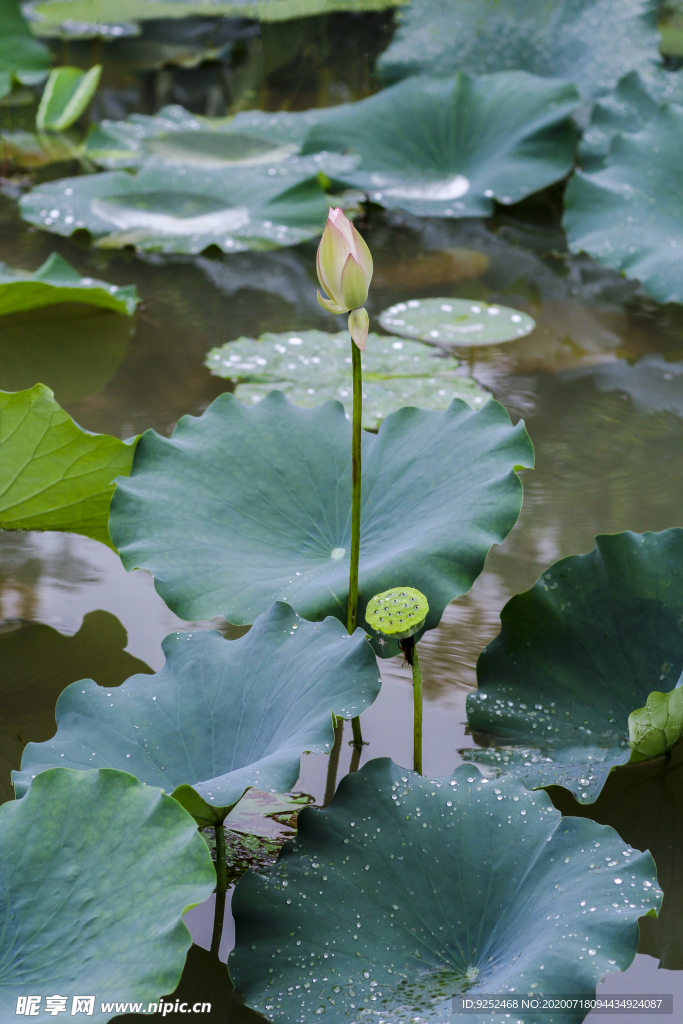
[(221, 888), (352, 611), (417, 713), (333, 763)]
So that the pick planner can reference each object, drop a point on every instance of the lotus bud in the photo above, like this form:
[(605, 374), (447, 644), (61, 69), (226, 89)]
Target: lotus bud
[(398, 613), (344, 268), (359, 325)]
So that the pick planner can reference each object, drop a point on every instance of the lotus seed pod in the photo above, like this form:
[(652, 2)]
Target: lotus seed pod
[(398, 613), (657, 727), (344, 265)]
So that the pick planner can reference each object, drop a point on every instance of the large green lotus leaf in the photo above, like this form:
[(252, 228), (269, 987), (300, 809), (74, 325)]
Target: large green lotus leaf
[(168, 208), (96, 870), (21, 56), (74, 348), (628, 214), (54, 475), (407, 891), (575, 656), (57, 281), (38, 663), (448, 148), (590, 42), (57, 17), (313, 366), (457, 322), (179, 137), (222, 715), (644, 803), (246, 505)]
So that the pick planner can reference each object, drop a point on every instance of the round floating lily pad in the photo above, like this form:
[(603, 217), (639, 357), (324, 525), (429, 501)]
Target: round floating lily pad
[(166, 208), (398, 612), (461, 323), (628, 214), (226, 529), (576, 655), (124, 862), (311, 367), (448, 148), (221, 716), (407, 892)]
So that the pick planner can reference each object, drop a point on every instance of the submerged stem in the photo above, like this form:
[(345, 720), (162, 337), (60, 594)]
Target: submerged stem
[(221, 888), (417, 712), (355, 524), (333, 763)]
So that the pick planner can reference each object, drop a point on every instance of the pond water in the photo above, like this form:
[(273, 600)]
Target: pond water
[(599, 385)]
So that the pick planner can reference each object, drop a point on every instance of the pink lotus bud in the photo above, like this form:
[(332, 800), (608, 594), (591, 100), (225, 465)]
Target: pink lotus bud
[(344, 265)]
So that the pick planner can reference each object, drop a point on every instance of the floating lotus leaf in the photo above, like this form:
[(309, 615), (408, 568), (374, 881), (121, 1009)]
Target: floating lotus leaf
[(448, 148), (576, 655), (311, 367), (457, 322), (67, 93), (227, 528), (221, 716), (21, 56), (57, 281), (38, 663), (176, 136), (53, 475), (590, 42), (125, 862), (85, 17), (644, 803), (165, 208), (628, 214), (419, 890)]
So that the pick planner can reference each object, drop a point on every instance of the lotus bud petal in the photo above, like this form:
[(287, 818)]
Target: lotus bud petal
[(344, 264), (331, 307), (359, 325)]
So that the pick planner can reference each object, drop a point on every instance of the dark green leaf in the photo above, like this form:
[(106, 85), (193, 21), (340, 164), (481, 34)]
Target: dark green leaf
[(38, 663), (221, 716), (448, 148), (418, 890), (57, 281), (54, 475), (96, 870), (21, 56), (227, 528), (576, 655)]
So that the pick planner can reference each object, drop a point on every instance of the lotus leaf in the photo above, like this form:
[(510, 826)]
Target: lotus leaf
[(448, 148), (179, 137), (96, 871), (67, 93), (54, 475), (590, 42), (57, 281), (313, 366), (31, 149), (178, 209), (457, 322), (227, 528), (38, 663), (221, 716), (644, 803), (21, 56), (83, 17), (419, 890), (575, 656), (74, 348), (628, 214)]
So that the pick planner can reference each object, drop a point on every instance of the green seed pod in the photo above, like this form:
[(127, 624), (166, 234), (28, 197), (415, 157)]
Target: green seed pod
[(657, 727), (398, 613)]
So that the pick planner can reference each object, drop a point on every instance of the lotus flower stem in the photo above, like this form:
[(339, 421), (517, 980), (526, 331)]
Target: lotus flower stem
[(417, 712), (333, 763), (352, 611), (221, 888)]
